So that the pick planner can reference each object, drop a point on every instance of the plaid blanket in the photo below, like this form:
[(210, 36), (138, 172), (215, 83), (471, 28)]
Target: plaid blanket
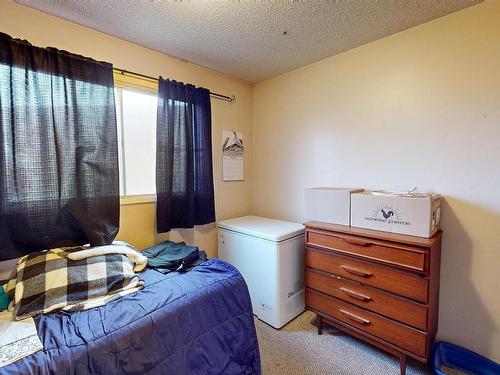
[(47, 281)]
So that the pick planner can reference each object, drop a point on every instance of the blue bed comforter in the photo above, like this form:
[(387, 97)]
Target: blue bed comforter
[(199, 322)]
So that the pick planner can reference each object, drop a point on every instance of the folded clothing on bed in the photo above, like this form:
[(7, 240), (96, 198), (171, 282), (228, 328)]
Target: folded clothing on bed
[(168, 256), (117, 247), (47, 281)]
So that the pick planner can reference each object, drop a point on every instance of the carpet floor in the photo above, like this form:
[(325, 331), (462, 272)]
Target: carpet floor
[(297, 349)]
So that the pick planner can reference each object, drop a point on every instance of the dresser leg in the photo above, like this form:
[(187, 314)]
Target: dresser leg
[(402, 363), (320, 325)]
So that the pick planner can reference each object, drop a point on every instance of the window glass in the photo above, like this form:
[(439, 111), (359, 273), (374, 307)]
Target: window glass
[(136, 118)]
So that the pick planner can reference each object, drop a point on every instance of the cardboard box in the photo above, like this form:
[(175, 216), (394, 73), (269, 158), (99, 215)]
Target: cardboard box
[(329, 204), (414, 214)]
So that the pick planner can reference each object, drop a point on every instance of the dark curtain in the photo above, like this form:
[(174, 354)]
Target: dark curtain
[(184, 180), (58, 150)]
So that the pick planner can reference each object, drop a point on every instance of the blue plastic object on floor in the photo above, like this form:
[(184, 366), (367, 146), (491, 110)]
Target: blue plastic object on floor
[(455, 357)]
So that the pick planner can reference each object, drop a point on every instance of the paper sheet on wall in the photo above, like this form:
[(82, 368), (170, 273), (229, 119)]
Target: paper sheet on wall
[(232, 156)]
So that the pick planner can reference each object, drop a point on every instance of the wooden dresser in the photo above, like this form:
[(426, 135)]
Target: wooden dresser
[(380, 287)]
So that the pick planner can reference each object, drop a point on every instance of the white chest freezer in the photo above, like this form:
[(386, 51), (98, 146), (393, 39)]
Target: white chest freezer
[(270, 256)]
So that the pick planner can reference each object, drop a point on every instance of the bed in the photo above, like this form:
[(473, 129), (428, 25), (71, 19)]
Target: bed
[(199, 322)]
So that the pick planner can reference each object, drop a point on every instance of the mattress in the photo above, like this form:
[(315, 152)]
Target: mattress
[(199, 322)]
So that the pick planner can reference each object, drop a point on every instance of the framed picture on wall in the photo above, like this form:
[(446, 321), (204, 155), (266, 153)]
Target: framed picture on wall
[(233, 152)]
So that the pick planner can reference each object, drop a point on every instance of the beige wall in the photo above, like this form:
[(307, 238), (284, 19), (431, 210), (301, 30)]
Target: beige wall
[(419, 108), (137, 221)]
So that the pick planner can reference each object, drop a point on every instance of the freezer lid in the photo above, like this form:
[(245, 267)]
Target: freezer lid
[(262, 227)]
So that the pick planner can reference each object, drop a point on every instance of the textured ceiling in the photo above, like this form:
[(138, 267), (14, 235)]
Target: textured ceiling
[(246, 38)]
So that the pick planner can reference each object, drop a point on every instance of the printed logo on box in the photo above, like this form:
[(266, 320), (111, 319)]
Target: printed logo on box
[(387, 214)]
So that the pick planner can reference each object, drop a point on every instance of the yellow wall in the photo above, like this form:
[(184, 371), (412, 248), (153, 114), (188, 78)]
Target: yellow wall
[(137, 220), (419, 108)]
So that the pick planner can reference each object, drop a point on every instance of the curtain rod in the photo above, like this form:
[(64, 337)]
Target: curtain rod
[(230, 99)]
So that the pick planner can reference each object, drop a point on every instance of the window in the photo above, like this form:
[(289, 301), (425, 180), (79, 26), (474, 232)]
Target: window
[(136, 104)]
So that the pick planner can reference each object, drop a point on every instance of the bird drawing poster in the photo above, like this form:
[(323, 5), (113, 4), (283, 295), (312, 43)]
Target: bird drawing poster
[(232, 156)]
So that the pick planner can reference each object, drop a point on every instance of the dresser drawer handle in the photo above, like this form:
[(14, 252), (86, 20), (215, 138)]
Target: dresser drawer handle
[(357, 241), (355, 271), (356, 295), (355, 317)]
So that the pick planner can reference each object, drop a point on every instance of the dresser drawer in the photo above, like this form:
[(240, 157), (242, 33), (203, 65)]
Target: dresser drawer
[(396, 333), (385, 278), (394, 307), (399, 255)]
